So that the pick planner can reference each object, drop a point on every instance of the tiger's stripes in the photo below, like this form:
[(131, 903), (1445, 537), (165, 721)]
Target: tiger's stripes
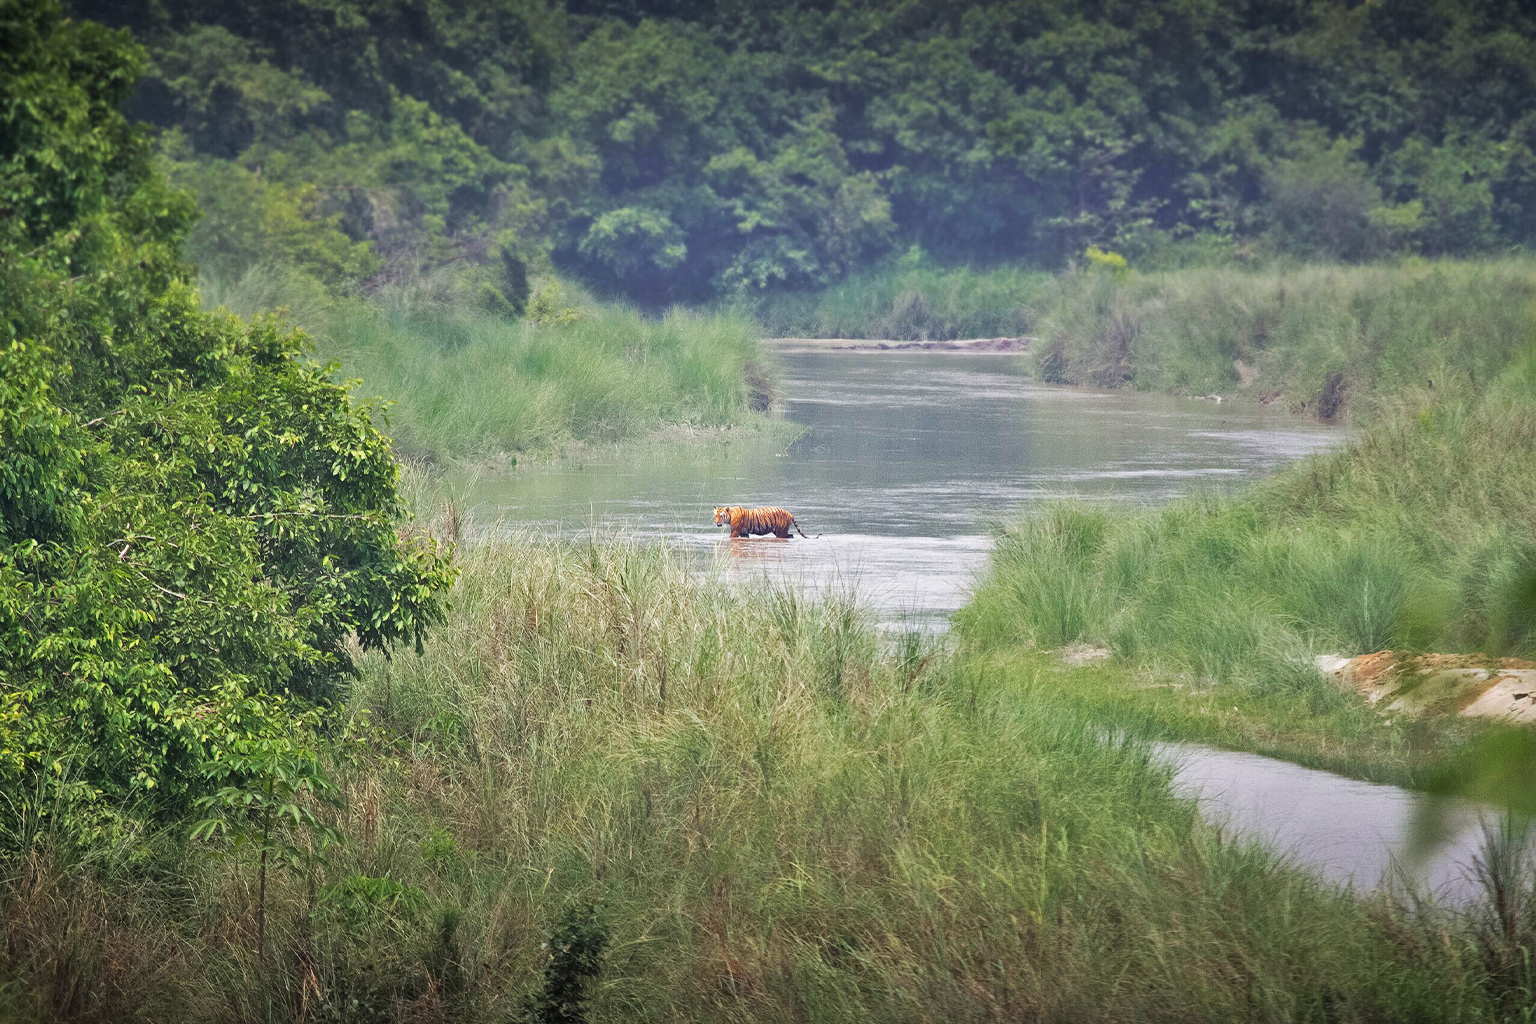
[(746, 522)]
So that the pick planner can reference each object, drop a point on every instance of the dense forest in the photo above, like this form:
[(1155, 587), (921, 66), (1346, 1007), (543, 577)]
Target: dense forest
[(687, 150)]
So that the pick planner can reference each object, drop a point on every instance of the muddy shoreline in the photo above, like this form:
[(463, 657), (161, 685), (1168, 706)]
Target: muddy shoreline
[(984, 345)]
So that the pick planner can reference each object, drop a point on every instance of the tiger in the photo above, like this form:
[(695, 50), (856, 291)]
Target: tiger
[(745, 522)]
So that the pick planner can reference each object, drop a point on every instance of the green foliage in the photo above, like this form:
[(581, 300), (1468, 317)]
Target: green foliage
[(197, 519), (1323, 205), (700, 151), (267, 807), (1106, 262), (249, 220), (546, 309), (357, 901), (576, 948)]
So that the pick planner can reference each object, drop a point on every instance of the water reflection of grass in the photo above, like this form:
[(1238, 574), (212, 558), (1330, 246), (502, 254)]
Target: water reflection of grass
[(774, 815)]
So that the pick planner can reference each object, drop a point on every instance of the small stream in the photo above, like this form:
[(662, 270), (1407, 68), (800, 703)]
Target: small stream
[(909, 462)]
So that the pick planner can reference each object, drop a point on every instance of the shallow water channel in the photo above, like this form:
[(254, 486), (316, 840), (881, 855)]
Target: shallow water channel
[(908, 461), (1350, 832)]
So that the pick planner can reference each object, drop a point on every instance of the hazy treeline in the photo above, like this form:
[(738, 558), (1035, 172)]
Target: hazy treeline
[(688, 150)]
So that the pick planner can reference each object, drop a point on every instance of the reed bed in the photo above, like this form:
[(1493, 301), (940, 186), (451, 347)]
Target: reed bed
[(1316, 338), (467, 384), (470, 384)]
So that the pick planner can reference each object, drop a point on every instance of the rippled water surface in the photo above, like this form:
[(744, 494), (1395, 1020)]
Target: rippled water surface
[(907, 463)]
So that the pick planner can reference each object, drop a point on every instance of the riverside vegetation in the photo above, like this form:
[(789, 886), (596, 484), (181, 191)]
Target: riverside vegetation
[(1273, 331), (611, 784), (478, 385), (1416, 536), (1319, 340)]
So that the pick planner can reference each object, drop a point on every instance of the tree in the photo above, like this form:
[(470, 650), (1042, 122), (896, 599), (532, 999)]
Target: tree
[(1323, 204), (194, 517)]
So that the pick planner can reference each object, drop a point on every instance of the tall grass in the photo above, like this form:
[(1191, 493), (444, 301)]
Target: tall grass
[(470, 383), (757, 810), (1312, 337), (1420, 535), (267, 288), (914, 303), (1317, 338)]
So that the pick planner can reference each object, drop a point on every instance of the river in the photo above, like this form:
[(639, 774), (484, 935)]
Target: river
[(909, 461)]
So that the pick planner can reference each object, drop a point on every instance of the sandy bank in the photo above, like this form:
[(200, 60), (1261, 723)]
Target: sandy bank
[(1470, 685)]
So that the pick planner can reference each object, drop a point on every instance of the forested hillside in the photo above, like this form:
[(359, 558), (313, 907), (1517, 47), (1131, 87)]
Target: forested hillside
[(690, 150)]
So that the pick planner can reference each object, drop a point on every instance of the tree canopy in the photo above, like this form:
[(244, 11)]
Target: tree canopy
[(195, 519), (684, 149)]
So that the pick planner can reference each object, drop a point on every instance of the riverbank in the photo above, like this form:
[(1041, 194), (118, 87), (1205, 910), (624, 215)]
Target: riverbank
[(1324, 341), (472, 386), (1416, 537), (609, 776)]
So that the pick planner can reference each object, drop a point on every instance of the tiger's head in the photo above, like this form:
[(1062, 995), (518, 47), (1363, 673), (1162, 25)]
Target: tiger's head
[(723, 514)]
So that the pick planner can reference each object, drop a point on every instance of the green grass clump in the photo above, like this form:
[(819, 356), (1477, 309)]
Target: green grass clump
[(717, 805), (911, 303), (1374, 330)]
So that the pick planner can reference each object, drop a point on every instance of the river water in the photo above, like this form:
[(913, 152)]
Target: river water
[(909, 461), (1360, 834)]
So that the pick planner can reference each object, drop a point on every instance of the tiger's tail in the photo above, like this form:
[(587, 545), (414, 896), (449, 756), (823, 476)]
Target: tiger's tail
[(796, 524)]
